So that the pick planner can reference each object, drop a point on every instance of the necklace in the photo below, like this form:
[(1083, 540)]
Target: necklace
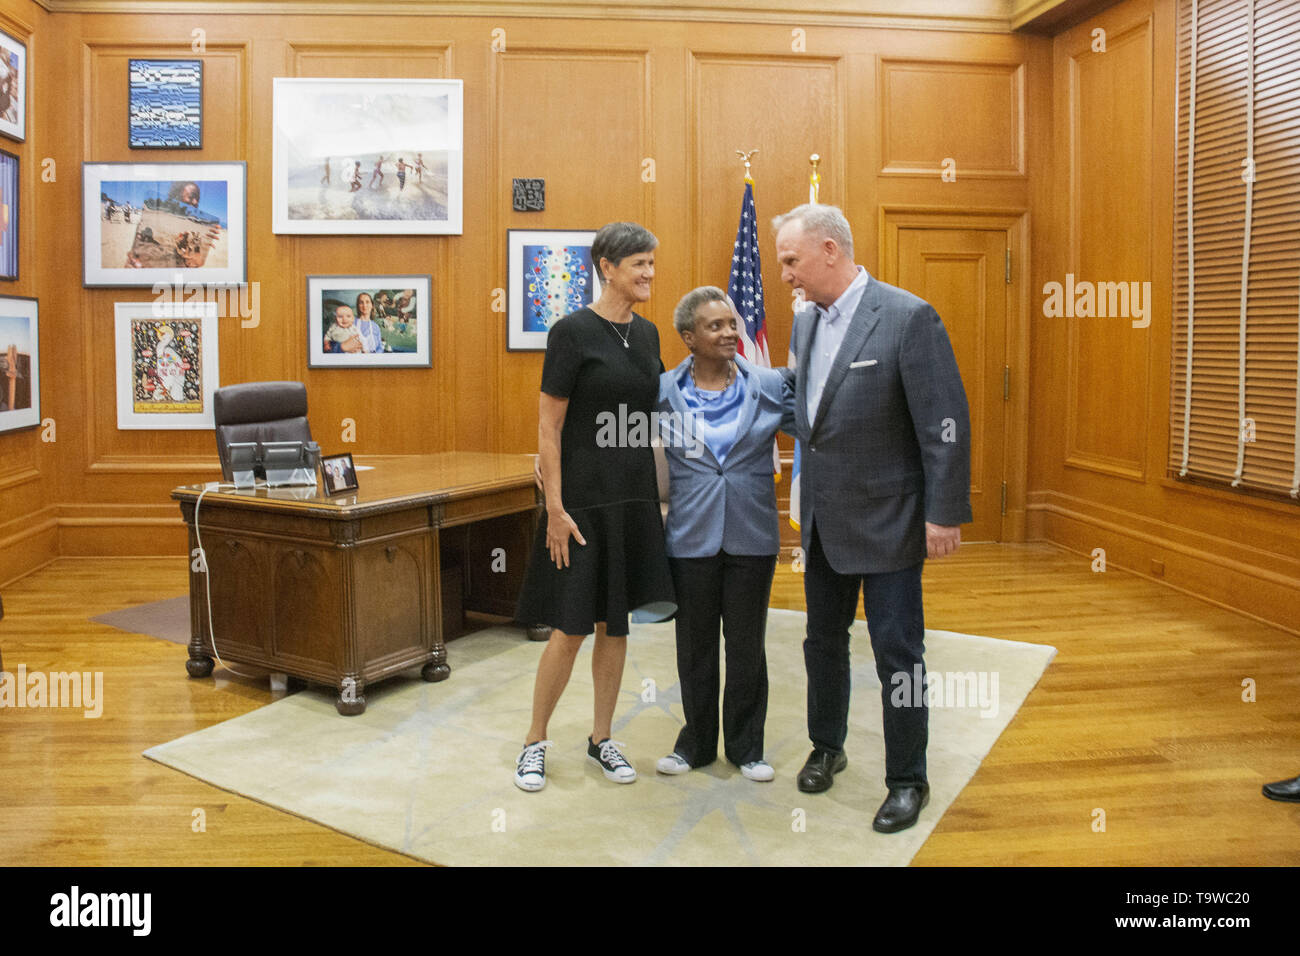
[(731, 374), (621, 337)]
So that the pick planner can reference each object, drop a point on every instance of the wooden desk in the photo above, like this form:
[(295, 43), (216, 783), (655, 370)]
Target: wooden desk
[(347, 590)]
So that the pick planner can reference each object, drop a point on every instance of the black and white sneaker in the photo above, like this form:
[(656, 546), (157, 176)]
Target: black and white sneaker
[(611, 760), (530, 768)]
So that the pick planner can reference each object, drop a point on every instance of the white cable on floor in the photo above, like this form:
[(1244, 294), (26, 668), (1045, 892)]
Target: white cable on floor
[(207, 581)]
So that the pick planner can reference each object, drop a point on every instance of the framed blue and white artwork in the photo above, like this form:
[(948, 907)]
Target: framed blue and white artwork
[(551, 275), (165, 104), (9, 189)]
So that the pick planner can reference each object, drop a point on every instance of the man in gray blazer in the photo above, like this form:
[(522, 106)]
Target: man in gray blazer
[(885, 483)]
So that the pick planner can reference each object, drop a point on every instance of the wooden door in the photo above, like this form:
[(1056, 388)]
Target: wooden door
[(963, 274)]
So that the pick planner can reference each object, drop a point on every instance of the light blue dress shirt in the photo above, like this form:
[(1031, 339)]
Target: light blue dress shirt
[(828, 336), (716, 414)]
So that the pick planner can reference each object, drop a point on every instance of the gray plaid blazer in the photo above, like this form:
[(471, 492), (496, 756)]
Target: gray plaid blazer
[(889, 448)]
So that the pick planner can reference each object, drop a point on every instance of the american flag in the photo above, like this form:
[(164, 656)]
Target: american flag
[(745, 292)]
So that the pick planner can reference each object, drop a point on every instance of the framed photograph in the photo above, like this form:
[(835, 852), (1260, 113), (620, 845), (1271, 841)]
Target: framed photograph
[(169, 223), (20, 363), (167, 364), (366, 157), (165, 104), (365, 321), (338, 474), (551, 275), (13, 87), (9, 189)]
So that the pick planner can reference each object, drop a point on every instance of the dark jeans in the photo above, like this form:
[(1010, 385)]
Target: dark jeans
[(733, 589), (896, 622)]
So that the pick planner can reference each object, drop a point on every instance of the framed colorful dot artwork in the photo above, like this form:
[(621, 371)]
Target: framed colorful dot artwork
[(551, 275)]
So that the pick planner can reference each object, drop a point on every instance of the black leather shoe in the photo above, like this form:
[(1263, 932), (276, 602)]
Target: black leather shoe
[(1288, 791), (901, 808), (819, 771)]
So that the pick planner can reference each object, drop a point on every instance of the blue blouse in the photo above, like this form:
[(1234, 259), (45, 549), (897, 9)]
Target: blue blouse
[(716, 415)]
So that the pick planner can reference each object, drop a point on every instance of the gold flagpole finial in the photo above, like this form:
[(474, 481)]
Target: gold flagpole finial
[(814, 179), (744, 156)]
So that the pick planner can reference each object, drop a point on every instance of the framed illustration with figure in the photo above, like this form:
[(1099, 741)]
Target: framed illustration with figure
[(13, 87), (369, 320), (167, 368), (145, 224), (366, 157), (20, 363), (551, 275)]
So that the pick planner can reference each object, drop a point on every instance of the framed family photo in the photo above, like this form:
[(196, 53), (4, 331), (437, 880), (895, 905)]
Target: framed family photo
[(9, 219), (167, 364), (165, 104), (369, 321), (366, 157), (551, 275), (338, 474), (20, 363), (150, 223), (13, 87)]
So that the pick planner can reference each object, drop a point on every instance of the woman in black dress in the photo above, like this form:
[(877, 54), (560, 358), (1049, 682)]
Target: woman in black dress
[(599, 555)]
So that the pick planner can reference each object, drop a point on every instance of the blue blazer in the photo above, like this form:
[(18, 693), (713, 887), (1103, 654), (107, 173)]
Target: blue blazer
[(731, 506)]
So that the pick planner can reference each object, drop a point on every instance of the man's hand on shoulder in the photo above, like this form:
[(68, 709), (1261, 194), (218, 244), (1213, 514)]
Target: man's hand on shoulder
[(941, 540)]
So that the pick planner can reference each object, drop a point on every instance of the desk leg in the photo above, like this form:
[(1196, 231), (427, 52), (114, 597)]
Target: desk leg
[(437, 668), (352, 697)]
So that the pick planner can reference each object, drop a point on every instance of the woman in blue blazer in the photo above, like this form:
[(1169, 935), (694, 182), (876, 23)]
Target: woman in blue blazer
[(718, 416)]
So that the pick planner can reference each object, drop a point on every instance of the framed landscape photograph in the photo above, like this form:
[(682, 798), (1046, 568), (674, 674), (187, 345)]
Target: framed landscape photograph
[(366, 157), (20, 363), (13, 87), (165, 104), (551, 275), (171, 223), (167, 364), (367, 321), (9, 189)]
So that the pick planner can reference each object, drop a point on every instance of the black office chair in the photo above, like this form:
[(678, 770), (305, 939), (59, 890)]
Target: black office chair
[(259, 411)]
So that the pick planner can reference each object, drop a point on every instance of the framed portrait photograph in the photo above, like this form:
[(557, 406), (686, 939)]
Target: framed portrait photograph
[(338, 474), (165, 104), (170, 223), (20, 363), (365, 321), (366, 157), (13, 87), (551, 275), (9, 189), (167, 364)]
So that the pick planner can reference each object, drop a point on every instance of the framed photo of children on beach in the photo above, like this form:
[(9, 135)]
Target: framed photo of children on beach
[(20, 363), (366, 157), (167, 364), (369, 321), (13, 87), (145, 224), (551, 275)]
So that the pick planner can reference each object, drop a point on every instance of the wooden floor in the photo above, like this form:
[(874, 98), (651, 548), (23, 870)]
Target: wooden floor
[(1140, 717)]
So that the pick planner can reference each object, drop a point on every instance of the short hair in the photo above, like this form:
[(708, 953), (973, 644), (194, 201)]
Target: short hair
[(824, 222), (618, 240), (684, 314)]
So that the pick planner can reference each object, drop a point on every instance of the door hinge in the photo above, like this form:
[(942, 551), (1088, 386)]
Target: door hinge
[(1008, 267), (1004, 498), (1006, 383)]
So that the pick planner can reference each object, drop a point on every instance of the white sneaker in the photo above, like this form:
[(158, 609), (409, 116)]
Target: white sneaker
[(673, 763), (610, 759), (759, 770), (530, 768)]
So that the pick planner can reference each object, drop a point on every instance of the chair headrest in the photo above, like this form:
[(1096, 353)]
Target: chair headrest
[(259, 402)]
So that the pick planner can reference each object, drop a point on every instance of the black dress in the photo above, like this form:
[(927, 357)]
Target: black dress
[(608, 482)]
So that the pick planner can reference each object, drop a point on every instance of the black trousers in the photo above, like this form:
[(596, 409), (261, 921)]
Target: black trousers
[(896, 622), (732, 589)]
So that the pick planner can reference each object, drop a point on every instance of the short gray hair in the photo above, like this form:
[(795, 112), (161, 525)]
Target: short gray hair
[(684, 314), (618, 240), (823, 222)]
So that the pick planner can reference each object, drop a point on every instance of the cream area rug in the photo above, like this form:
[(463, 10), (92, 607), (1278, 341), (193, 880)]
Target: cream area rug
[(428, 769)]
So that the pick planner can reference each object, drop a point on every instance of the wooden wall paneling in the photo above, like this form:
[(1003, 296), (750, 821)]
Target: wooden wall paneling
[(970, 112), (580, 117), (1109, 110)]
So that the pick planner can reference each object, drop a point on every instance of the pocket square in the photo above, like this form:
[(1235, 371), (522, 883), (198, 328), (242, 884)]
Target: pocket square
[(865, 363)]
